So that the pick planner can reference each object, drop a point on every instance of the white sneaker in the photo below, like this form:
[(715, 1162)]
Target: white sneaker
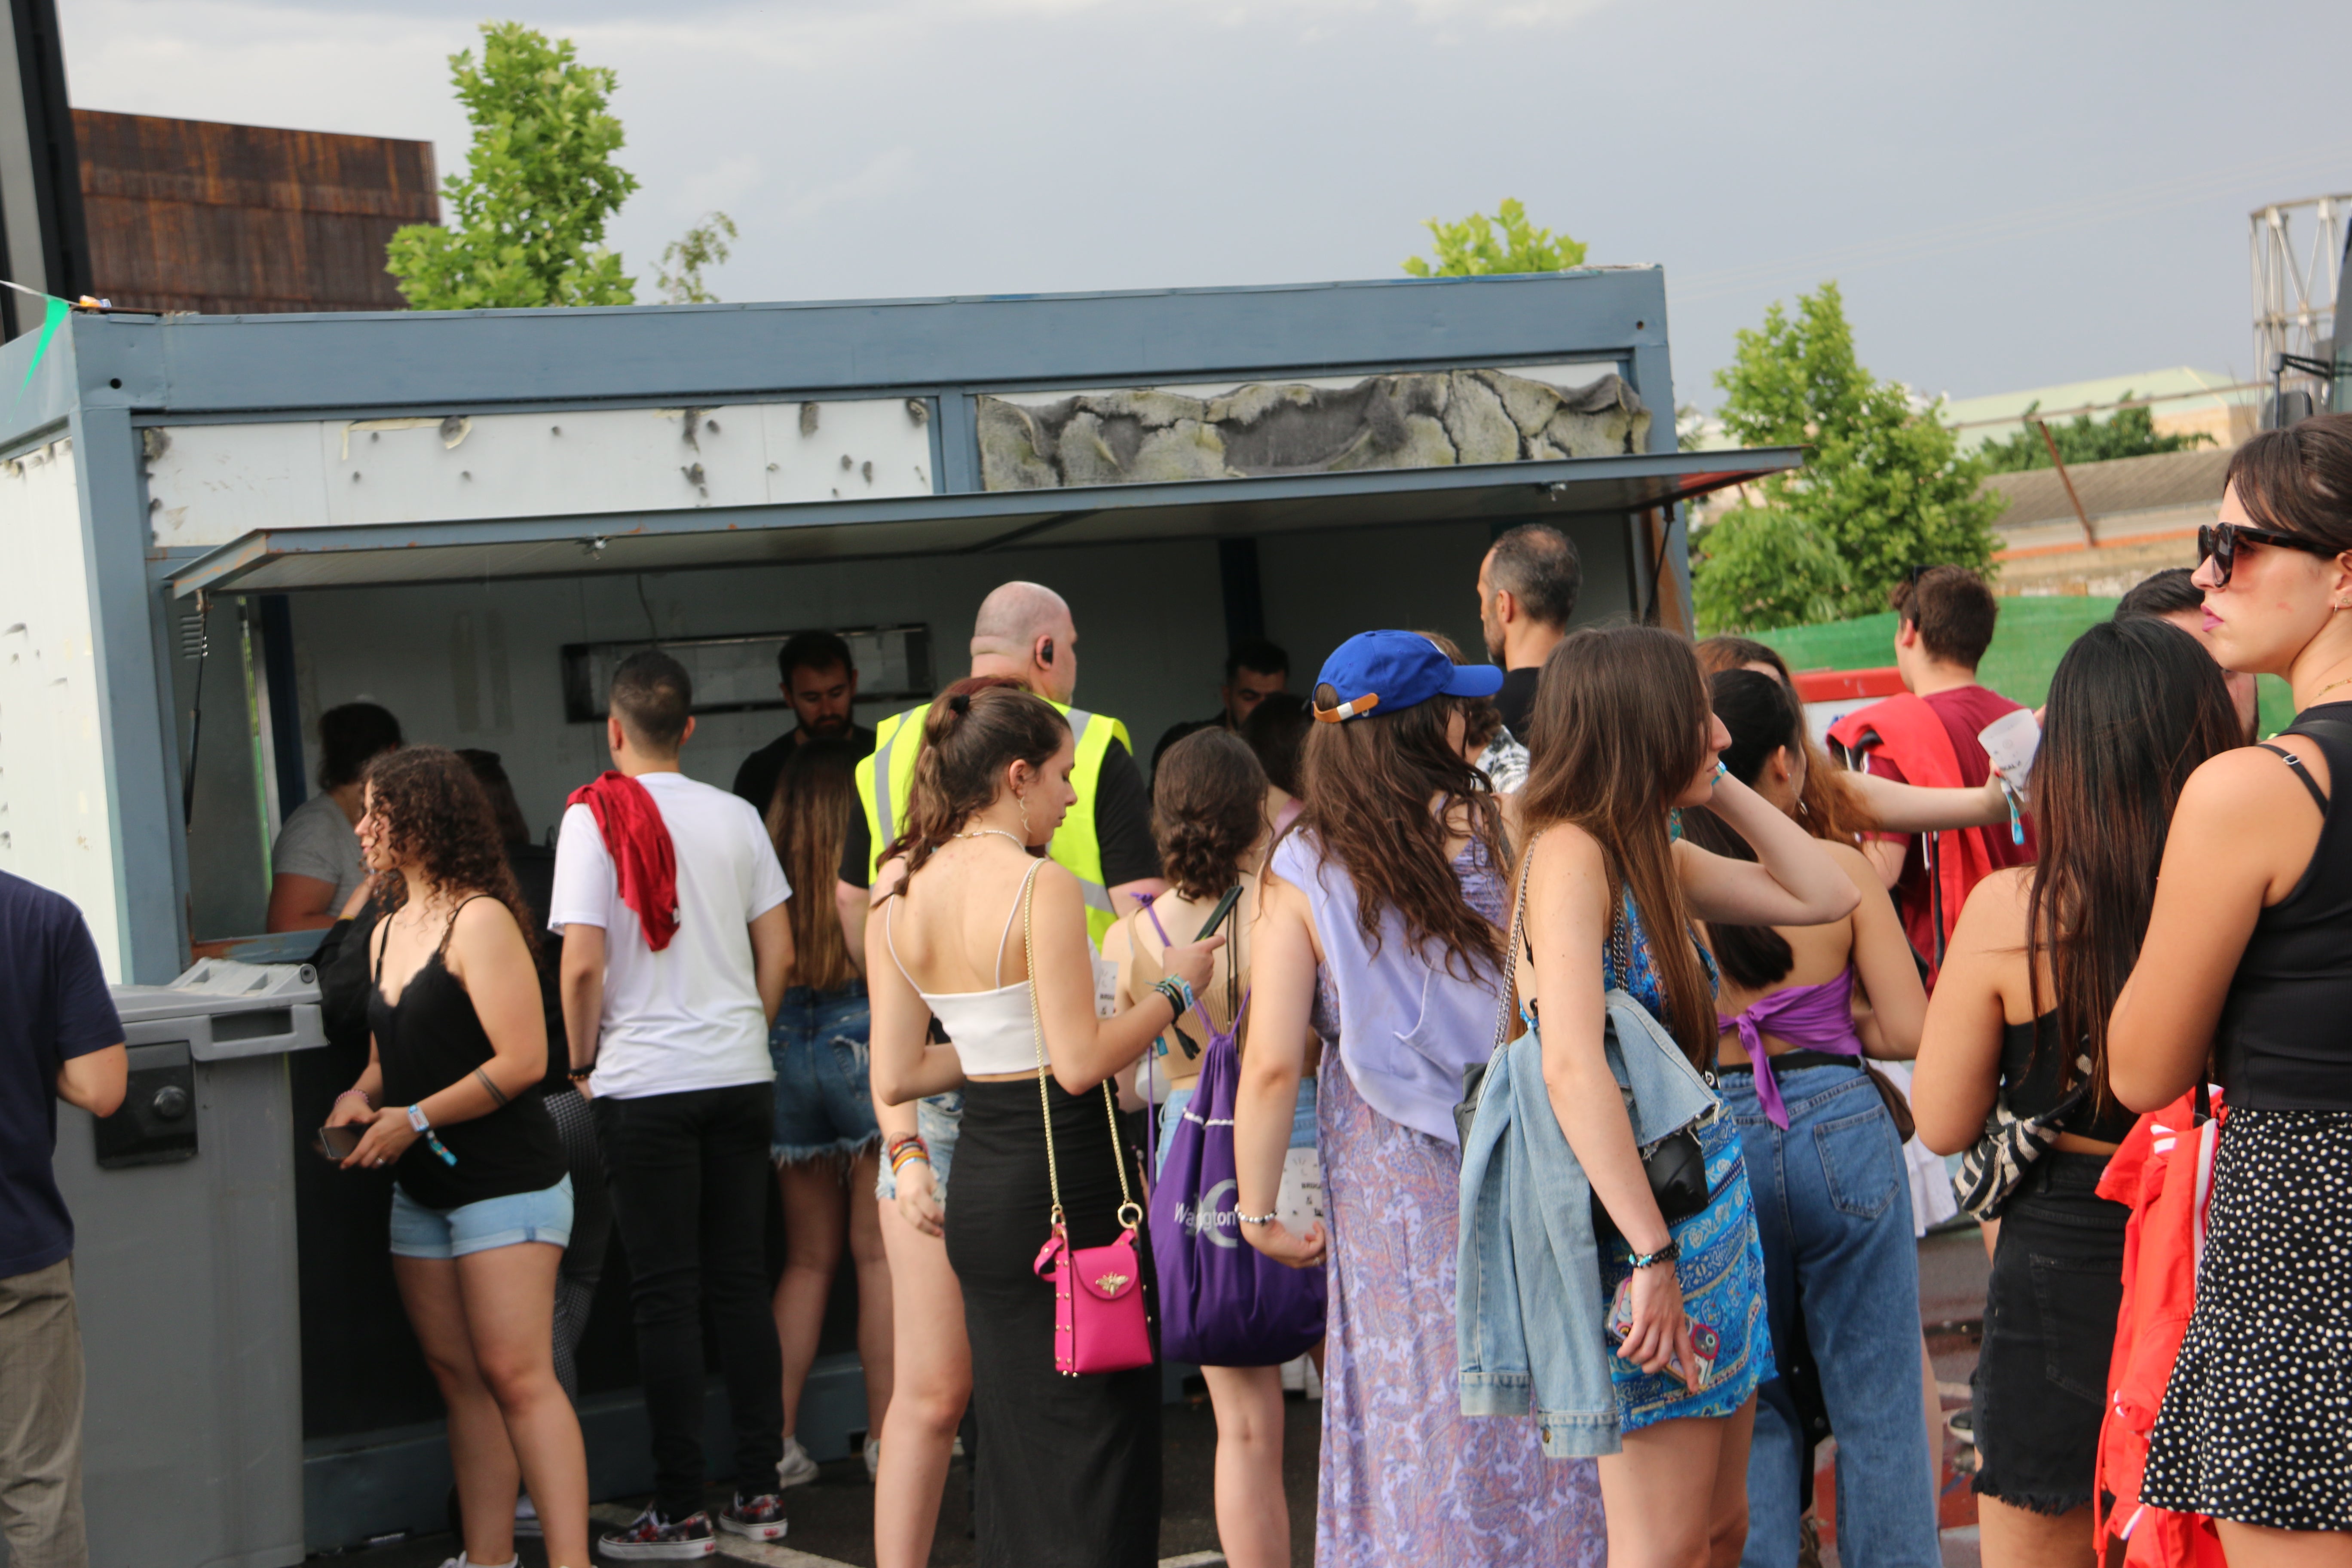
[(795, 1469), (526, 1526), (873, 1456), (462, 1560)]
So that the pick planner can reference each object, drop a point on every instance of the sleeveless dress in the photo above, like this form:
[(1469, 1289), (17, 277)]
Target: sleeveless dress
[(1407, 1481), (1722, 1263)]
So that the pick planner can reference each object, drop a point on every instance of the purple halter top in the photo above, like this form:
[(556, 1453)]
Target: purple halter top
[(1808, 1018)]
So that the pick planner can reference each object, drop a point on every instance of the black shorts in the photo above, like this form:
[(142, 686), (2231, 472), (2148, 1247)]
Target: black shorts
[(2040, 1381)]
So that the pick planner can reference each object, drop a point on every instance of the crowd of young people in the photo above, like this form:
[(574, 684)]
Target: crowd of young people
[(964, 944)]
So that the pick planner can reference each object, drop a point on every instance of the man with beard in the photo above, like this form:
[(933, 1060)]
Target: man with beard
[(820, 683), (1527, 591)]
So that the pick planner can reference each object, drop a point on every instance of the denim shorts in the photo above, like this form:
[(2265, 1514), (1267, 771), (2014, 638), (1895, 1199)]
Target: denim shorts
[(1172, 1115), (818, 1046), (940, 1118), (420, 1232)]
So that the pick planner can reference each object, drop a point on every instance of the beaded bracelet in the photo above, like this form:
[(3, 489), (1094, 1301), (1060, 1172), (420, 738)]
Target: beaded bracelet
[(1254, 1218), (361, 1094)]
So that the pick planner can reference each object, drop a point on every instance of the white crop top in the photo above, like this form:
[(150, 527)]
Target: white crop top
[(992, 1030)]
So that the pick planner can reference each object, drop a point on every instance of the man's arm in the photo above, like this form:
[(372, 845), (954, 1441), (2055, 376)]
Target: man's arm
[(299, 903), (1887, 857), (581, 981), (771, 958), (1130, 861), (96, 1080)]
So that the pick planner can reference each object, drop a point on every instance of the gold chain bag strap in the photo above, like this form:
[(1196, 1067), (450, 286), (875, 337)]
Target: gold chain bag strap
[(1099, 1321)]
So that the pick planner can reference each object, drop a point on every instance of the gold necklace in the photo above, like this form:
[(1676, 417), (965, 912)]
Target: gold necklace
[(2324, 690)]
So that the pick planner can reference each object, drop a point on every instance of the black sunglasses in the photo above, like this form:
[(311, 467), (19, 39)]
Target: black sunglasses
[(2217, 542)]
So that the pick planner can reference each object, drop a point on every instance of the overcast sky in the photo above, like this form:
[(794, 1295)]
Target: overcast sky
[(2012, 193)]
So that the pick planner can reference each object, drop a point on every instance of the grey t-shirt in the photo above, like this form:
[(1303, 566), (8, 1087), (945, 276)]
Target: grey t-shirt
[(318, 841)]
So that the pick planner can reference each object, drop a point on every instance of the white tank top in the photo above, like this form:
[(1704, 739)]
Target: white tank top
[(992, 1030)]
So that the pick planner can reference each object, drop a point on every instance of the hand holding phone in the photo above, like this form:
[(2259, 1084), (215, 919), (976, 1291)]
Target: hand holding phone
[(338, 1141)]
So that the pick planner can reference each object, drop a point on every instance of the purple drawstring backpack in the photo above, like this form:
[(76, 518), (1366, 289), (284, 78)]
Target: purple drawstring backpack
[(1222, 1302)]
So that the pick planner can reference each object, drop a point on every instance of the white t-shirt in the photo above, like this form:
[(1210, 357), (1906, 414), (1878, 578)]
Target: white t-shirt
[(689, 1016)]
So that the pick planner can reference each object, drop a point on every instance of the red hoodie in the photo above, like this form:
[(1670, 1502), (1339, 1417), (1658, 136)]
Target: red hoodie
[(2164, 1170), (643, 856)]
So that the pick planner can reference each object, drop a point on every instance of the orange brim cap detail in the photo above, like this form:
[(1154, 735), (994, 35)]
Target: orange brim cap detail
[(1349, 710)]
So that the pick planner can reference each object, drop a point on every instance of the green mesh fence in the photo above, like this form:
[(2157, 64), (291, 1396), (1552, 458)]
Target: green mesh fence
[(2027, 643)]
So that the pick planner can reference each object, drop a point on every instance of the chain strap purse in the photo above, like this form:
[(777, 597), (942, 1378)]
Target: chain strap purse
[(1099, 1321)]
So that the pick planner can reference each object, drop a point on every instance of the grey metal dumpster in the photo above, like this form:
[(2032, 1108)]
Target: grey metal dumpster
[(183, 1267)]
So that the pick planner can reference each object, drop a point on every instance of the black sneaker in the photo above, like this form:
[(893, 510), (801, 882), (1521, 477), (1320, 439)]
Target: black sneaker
[(654, 1537), (761, 1518)]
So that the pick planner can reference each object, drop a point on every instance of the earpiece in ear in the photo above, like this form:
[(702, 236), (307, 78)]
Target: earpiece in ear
[(1045, 654)]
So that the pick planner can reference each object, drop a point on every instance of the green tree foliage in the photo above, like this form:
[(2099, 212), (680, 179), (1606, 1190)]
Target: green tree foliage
[(1884, 489), (1507, 242), (2130, 433), (704, 245), (526, 217)]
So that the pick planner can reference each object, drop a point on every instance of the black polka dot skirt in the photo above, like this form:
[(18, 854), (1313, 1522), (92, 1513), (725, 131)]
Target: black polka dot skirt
[(2256, 1426)]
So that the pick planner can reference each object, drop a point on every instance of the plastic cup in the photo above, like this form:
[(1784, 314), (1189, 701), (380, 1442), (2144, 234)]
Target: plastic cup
[(2012, 741)]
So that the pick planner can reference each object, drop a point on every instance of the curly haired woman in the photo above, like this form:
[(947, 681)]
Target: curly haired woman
[(450, 1101)]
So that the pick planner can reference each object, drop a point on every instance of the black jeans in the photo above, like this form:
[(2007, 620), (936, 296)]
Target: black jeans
[(689, 1178)]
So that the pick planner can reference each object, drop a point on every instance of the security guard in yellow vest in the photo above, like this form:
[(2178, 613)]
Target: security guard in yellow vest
[(1024, 631)]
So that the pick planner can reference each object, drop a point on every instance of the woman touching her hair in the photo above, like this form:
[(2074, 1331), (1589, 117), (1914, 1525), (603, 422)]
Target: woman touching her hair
[(2249, 956), (1072, 1465), (1628, 738), (1826, 1164)]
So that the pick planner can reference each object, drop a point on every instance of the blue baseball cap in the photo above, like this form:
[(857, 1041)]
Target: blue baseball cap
[(1388, 672)]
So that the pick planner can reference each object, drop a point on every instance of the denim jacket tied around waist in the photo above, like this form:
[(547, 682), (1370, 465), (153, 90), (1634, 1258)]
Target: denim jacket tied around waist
[(1528, 1302)]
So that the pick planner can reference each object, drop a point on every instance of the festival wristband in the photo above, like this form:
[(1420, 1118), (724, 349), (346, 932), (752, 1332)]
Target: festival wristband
[(424, 1130)]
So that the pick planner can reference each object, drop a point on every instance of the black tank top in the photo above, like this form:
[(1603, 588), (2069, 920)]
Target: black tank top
[(2285, 1037), (430, 1040), (2038, 1079)]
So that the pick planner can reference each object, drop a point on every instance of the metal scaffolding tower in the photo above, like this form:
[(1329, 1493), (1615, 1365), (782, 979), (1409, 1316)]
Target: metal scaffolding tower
[(2299, 258)]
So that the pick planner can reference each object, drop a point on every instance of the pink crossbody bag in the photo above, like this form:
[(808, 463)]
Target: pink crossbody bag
[(1099, 1322)]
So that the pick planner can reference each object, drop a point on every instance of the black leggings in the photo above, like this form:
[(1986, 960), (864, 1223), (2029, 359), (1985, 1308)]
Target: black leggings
[(1068, 1468)]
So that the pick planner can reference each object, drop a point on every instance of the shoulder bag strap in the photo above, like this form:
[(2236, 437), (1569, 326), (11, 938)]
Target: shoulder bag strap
[(1510, 1002), (1130, 1214)]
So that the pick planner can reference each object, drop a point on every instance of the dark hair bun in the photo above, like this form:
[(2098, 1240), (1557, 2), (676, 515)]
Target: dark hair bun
[(959, 703)]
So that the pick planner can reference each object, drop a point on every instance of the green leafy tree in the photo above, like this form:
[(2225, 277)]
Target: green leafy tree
[(1885, 488), (528, 216), (704, 245), (1507, 242), (2130, 433)]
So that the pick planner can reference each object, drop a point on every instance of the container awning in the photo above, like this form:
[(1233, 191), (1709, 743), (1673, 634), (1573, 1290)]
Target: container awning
[(277, 560)]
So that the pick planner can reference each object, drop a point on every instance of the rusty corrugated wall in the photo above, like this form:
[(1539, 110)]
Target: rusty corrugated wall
[(187, 214)]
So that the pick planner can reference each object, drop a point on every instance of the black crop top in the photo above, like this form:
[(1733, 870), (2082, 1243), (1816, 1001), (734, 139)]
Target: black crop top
[(429, 1039), (2285, 1037), (2033, 1068)]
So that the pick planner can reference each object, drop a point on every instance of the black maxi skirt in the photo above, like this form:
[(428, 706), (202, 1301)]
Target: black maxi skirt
[(1067, 1471)]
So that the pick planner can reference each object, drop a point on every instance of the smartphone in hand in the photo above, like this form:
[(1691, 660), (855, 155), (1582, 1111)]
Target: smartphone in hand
[(338, 1142)]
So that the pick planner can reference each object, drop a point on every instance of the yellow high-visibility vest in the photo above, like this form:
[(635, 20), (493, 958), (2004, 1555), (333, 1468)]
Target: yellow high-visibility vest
[(885, 778)]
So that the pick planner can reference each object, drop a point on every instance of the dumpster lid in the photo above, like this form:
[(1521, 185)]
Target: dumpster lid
[(275, 560), (219, 986)]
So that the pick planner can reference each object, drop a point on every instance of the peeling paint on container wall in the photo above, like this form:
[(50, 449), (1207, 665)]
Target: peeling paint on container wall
[(208, 484)]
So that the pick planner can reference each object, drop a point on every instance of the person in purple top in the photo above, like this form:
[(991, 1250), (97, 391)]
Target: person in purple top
[(1833, 1202), (59, 1040)]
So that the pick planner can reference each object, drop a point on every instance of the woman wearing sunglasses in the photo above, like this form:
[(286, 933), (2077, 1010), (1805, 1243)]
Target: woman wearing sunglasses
[(2249, 957)]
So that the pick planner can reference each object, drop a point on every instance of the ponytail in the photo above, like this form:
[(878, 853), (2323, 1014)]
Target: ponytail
[(973, 731)]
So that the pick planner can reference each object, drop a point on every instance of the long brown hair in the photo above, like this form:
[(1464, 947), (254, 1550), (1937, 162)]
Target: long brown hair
[(974, 731), (1208, 811), (2299, 480), (1624, 720), (2134, 707), (436, 818), (1368, 783), (1831, 810), (808, 819)]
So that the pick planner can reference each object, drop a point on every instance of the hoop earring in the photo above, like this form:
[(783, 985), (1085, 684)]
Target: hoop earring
[(1024, 813)]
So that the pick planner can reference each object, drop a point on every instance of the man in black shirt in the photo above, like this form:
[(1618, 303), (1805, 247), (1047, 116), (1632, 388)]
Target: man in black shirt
[(1527, 591), (1254, 670), (819, 681)]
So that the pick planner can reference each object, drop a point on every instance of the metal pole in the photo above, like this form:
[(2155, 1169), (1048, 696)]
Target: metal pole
[(2068, 480)]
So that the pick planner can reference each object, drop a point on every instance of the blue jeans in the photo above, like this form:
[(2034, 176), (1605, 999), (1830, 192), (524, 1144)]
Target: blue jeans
[(1833, 1205), (818, 1047), (1172, 1115)]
